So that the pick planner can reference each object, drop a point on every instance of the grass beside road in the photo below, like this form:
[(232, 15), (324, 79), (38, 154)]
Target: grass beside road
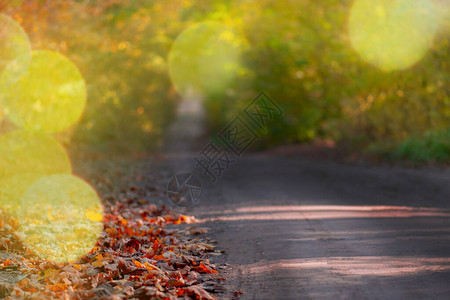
[(432, 147)]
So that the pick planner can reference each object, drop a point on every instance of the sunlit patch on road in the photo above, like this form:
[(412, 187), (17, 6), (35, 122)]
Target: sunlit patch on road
[(359, 266), (312, 212)]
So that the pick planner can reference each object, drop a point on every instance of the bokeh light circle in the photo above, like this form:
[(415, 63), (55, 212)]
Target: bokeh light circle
[(24, 158), (49, 97), (204, 59), (15, 50), (392, 34), (60, 218)]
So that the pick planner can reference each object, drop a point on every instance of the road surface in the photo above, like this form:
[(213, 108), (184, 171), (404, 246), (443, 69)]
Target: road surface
[(293, 228)]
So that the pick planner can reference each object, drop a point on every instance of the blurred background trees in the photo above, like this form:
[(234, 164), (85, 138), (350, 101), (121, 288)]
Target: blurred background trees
[(299, 52)]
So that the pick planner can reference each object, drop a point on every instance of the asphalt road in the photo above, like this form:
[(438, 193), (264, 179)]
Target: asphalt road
[(295, 229), (299, 229)]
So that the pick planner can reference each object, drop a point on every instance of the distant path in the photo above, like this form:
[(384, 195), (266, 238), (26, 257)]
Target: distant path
[(297, 229)]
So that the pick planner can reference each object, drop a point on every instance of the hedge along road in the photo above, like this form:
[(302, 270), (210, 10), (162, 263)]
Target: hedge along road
[(293, 228)]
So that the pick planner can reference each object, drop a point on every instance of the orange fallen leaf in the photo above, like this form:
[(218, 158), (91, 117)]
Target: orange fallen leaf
[(97, 264), (151, 267), (57, 287), (175, 283), (7, 262), (204, 269), (155, 245), (133, 240), (30, 289), (138, 264)]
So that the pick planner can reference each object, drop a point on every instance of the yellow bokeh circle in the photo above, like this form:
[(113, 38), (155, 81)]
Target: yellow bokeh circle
[(204, 59), (60, 218), (49, 97), (392, 34), (24, 158), (15, 50)]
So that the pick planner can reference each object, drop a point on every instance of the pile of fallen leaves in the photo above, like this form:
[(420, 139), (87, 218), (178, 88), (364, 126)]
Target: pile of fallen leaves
[(141, 254)]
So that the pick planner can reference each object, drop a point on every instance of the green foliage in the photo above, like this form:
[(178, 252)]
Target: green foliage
[(299, 52), (433, 146), (121, 49)]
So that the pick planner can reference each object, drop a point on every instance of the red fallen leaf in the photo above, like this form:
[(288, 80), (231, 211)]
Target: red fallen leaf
[(112, 231), (204, 269), (175, 283), (189, 260), (158, 232), (150, 254), (126, 267), (147, 292), (150, 274), (98, 279), (111, 267), (196, 230), (181, 292), (156, 245), (141, 278), (128, 230), (132, 246), (159, 257), (192, 276), (169, 218), (199, 293)]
